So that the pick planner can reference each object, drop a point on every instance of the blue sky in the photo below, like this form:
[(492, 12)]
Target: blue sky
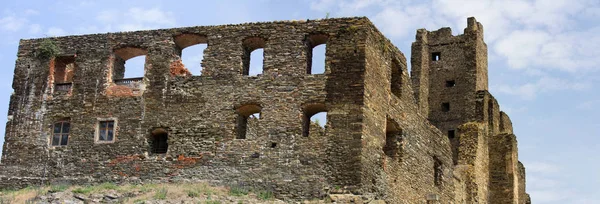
[(543, 61)]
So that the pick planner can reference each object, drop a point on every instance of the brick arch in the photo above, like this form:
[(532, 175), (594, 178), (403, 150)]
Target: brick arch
[(127, 53), (254, 42), (316, 39), (189, 39), (308, 111)]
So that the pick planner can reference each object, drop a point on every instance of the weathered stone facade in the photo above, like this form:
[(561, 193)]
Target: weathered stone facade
[(441, 138)]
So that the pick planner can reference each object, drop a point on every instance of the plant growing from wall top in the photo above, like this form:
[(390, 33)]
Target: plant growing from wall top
[(47, 49)]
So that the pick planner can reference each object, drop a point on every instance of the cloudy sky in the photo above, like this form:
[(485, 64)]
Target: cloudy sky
[(543, 61)]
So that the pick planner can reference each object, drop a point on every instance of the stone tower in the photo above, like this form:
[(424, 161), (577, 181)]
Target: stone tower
[(450, 83), (447, 72)]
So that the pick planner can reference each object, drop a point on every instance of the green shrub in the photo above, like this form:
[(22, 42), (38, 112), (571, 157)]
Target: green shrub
[(47, 49)]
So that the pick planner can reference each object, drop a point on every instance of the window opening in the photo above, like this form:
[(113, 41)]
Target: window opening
[(60, 136), (253, 57), (159, 141), (436, 56), (247, 119), (315, 115), (396, 81), (450, 83), (393, 139), (445, 107), (106, 130), (451, 134), (129, 63), (316, 54), (192, 47), (437, 171)]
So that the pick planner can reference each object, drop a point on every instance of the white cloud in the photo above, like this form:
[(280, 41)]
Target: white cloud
[(545, 84), (35, 28), (31, 12), (108, 16), (526, 33), (54, 31), (588, 105), (542, 167), (12, 23), (131, 20), (151, 16)]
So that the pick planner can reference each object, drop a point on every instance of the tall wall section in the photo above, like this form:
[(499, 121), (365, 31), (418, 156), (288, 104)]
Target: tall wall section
[(406, 158), (199, 113), (450, 83)]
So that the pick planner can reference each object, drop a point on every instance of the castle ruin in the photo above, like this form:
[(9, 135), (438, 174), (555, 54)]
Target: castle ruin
[(434, 136)]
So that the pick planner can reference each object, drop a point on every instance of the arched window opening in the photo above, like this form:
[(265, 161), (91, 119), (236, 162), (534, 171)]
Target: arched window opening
[(393, 139), (191, 50), (315, 116), (247, 119), (60, 133), (253, 57), (396, 81), (159, 141), (317, 46), (129, 63)]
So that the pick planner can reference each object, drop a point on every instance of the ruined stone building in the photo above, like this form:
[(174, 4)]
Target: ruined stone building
[(435, 135)]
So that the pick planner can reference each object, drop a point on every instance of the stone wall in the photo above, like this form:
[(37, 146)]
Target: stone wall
[(450, 83), (386, 134)]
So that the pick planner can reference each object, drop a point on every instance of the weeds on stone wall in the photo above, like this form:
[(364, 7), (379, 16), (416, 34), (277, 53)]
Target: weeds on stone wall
[(47, 49)]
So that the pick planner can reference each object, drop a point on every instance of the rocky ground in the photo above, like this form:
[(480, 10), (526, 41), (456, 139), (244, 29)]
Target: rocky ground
[(158, 193)]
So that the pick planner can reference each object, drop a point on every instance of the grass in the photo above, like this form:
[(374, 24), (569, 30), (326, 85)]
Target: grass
[(161, 194), (188, 192), (84, 190), (238, 191), (58, 188), (265, 195)]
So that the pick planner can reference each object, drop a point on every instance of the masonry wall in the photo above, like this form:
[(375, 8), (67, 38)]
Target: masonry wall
[(386, 134), (409, 175), (198, 112)]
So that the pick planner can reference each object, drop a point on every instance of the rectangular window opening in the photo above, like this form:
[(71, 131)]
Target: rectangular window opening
[(451, 134), (436, 56), (60, 135), (445, 107), (106, 131), (450, 83)]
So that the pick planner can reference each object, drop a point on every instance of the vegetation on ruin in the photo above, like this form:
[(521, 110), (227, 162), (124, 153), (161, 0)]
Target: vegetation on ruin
[(47, 49)]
